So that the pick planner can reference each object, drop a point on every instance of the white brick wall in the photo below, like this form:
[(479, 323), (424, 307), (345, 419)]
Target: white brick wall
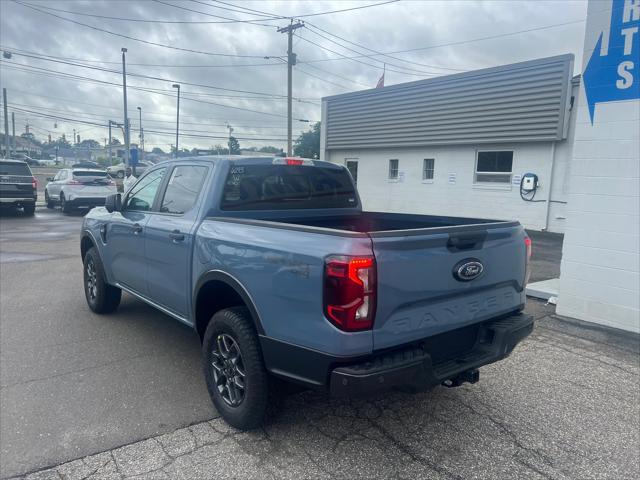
[(438, 197), (600, 275)]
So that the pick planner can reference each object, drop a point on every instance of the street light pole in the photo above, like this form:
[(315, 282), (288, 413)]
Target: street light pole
[(175, 85), (141, 135), (126, 120)]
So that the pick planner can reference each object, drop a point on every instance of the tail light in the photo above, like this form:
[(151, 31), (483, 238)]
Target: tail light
[(350, 292), (527, 267), (74, 182), (292, 161), (34, 183)]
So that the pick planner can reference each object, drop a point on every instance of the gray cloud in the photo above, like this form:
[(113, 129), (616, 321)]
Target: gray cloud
[(387, 28)]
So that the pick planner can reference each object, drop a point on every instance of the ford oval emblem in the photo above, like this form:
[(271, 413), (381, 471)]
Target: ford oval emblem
[(468, 269)]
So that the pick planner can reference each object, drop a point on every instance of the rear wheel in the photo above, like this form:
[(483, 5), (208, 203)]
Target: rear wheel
[(29, 209), (101, 297), (48, 200), (64, 205), (236, 378)]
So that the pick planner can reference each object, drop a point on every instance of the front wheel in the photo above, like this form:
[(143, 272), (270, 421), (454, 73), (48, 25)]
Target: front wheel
[(236, 378), (101, 297)]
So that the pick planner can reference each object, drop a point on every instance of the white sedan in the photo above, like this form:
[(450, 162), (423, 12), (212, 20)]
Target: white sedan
[(118, 170)]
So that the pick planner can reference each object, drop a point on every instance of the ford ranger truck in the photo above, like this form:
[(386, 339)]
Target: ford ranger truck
[(283, 276)]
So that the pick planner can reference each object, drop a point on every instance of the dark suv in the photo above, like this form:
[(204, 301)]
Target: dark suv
[(18, 186)]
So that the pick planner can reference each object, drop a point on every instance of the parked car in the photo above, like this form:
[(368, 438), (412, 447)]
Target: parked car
[(78, 187), (87, 164), (18, 186), (25, 158), (282, 275), (118, 170)]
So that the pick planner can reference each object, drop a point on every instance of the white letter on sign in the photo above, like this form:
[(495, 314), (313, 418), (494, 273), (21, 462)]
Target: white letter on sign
[(626, 79), (631, 11), (628, 38)]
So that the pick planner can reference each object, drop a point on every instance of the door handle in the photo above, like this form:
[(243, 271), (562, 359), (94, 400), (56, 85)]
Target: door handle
[(176, 236), (137, 228)]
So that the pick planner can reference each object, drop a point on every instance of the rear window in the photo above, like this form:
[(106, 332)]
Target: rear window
[(14, 168), (89, 173), (285, 187)]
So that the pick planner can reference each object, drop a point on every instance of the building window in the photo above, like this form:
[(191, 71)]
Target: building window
[(494, 166), (352, 166), (393, 169), (427, 168)]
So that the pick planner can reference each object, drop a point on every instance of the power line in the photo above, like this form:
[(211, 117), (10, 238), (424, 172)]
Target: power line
[(329, 12), (381, 53), (139, 39), (323, 79), (232, 20), (144, 20), (80, 78), (449, 44)]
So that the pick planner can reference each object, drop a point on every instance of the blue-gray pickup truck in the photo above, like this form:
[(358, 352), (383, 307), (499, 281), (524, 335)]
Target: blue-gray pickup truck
[(283, 276)]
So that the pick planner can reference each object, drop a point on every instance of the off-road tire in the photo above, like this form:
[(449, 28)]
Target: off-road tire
[(104, 298), (236, 322)]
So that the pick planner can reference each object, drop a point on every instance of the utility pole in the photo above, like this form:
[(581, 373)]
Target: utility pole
[(291, 61), (13, 131), (6, 122), (230, 128), (74, 138), (175, 85), (126, 119), (141, 135)]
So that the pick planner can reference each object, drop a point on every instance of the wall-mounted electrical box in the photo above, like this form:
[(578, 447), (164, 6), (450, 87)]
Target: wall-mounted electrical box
[(529, 182)]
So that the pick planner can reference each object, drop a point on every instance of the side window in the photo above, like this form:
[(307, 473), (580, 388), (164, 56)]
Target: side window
[(494, 166), (57, 177), (143, 193), (183, 189), (393, 169), (428, 165)]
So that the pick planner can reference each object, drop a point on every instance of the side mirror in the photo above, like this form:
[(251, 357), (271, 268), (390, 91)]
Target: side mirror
[(49, 179), (113, 203)]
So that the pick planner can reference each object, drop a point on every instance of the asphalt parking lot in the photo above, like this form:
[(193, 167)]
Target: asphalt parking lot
[(74, 385)]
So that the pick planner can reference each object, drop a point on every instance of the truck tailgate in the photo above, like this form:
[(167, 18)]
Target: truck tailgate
[(425, 285)]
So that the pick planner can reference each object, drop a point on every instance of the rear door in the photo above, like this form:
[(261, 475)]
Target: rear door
[(434, 280), (170, 235), (93, 183), (55, 186), (16, 180)]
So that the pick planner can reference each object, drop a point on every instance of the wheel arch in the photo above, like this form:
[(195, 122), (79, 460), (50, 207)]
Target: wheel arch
[(86, 242), (216, 290)]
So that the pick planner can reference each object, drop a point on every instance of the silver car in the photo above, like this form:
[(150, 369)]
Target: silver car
[(118, 170), (78, 187)]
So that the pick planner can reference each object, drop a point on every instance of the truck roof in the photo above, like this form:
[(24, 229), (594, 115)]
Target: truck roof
[(250, 160)]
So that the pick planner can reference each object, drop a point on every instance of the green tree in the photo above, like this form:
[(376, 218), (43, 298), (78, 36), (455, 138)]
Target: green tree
[(157, 150), (307, 145), (90, 143), (234, 146), (269, 149)]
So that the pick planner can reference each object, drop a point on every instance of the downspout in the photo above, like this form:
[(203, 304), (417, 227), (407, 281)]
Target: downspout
[(548, 207)]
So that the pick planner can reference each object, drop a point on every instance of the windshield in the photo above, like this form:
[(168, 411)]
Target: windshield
[(14, 168), (279, 187)]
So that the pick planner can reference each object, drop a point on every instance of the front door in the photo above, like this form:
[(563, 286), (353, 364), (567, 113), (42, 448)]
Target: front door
[(170, 237), (126, 233)]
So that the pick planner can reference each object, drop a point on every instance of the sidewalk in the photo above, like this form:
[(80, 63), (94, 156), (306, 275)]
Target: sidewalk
[(566, 404)]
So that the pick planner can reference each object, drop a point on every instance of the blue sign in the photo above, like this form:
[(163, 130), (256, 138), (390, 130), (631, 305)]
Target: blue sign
[(615, 74), (133, 157)]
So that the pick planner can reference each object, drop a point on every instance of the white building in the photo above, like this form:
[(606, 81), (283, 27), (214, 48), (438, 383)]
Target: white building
[(600, 272), (459, 144)]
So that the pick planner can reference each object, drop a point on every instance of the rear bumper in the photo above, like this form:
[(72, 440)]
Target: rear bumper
[(87, 202), (414, 366), (18, 200), (407, 365)]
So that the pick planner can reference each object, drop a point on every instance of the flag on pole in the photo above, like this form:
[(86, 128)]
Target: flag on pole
[(380, 83)]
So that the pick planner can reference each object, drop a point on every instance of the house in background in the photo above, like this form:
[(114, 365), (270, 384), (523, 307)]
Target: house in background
[(460, 144)]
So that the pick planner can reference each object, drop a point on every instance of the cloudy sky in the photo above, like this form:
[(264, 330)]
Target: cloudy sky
[(64, 71)]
